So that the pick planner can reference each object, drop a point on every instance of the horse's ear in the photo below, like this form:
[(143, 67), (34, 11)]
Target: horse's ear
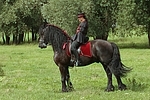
[(45, 22)]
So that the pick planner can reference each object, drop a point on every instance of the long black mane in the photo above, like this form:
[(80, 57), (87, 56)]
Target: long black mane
[(57, 37)]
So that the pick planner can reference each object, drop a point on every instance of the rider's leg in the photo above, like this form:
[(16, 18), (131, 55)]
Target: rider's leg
[(74, 46)]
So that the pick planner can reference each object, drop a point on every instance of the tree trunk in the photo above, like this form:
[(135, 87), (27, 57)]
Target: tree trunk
[(34, 37), (148, 33), (148, 7), (15, 39), (32, 34), (28, 37), (21, 36), (7, 40), (3, 38)]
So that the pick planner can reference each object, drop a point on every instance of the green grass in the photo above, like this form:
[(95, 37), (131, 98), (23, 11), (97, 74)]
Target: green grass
[(29, 73), (131, 42)]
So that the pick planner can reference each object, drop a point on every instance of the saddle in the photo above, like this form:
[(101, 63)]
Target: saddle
[(84, 49)]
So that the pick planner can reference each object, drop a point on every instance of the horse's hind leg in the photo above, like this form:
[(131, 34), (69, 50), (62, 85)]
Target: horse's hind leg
[(69, 84), (121, 86), (110, 86)]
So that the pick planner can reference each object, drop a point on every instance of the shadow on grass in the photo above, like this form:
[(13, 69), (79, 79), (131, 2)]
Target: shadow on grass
[(1, 70)]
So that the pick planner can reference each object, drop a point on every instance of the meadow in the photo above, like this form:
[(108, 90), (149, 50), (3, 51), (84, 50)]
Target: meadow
[(29, 73)]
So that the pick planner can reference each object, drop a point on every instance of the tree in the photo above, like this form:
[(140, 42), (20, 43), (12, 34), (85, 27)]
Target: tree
[(105, 11), (1, 7), (7, 17), (19, 16), (100, 15), (142, 14), (124, 19)]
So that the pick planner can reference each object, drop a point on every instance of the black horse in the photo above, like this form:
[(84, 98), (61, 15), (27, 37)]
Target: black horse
[(102, 51)]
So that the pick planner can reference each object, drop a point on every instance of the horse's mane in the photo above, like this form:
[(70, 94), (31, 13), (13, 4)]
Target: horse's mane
[(57, 37)]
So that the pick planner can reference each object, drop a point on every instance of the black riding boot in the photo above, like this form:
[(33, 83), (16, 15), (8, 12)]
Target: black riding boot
[(74, 46), (78, 60)]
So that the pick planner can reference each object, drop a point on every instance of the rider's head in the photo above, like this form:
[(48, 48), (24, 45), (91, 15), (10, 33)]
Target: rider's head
[(81, 16)]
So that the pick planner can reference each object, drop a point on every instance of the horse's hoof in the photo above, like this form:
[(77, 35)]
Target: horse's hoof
[(64, 90), (122, 87), (109, 89)]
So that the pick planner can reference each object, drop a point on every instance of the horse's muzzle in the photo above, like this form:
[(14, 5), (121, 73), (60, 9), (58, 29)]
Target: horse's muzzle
[(42, 45)]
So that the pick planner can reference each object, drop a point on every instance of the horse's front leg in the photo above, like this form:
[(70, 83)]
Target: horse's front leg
[(63, 71), (69, 83), (110, 86)]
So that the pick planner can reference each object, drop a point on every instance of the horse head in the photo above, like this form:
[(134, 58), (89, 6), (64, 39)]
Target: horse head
[(43, 41), (52, 34)]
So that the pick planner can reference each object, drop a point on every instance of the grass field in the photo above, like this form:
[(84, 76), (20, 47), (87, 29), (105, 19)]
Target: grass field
[(29, 73)]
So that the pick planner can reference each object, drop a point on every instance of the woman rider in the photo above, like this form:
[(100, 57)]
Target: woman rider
[(80, 37)]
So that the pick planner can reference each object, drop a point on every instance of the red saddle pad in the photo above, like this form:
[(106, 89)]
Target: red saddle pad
[(85, 49)]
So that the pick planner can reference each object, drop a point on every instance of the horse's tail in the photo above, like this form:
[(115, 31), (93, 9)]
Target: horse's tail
[(116, 66)]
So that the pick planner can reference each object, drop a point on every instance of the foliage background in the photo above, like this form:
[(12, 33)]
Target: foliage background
[(122, 18)]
